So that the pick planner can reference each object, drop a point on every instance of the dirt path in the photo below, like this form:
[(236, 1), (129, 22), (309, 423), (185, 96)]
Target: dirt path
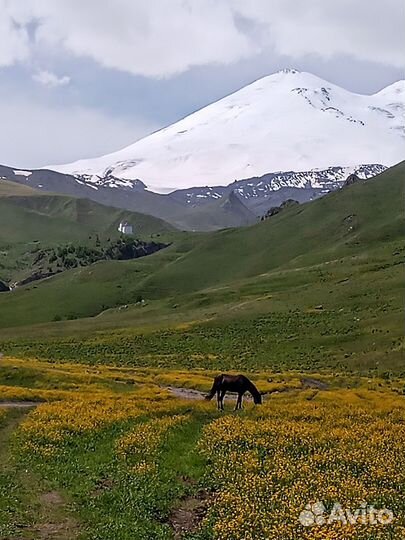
[(186, 518), (7, 428), (28, 511), (54, 521), (309, 382), (19, 404), (13, 518), (189, 393), (184, 393)]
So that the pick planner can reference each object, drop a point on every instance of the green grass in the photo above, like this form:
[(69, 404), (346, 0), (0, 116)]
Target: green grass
[(24, 511), (12, 189), (81, 292), (57, 218), (271, 322), (109, 500), (103, 497), (247, 298), (30, 220), (300, 292), (342, 224), (351, 226)]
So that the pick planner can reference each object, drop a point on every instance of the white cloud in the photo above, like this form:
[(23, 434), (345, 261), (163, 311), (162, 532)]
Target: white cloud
[(60, 134), (368, 30), (14, 43), (155, 39), (161, 38), (48, 78)]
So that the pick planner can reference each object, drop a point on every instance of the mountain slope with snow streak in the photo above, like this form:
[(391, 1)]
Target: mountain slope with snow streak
[(288, 121)]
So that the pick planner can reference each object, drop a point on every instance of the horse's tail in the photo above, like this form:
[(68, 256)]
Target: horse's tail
[(215, 387), (257, 397)]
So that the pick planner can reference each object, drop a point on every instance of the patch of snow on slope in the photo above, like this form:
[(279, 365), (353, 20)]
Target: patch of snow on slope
[(22, 173)]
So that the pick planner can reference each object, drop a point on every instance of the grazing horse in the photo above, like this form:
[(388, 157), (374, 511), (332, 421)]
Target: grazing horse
[(233, 383)]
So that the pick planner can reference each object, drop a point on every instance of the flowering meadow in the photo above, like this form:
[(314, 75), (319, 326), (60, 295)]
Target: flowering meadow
[(340, 447), (129, 455), (143, 442)]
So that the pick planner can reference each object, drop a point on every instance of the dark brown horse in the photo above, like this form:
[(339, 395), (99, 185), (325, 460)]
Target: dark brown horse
[(233, 383)]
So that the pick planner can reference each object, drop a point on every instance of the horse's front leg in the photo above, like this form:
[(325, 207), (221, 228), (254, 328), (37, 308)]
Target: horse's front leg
[(218, 400), (238, 402), (222, 399)]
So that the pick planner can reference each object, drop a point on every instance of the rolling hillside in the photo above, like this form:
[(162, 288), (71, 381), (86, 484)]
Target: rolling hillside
[(359, 224), (32, 220), (183, 210), (354, 220), (27, 214)]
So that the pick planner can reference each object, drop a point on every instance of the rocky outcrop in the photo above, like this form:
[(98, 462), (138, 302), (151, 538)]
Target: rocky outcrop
[(277, 209), (352, 179)]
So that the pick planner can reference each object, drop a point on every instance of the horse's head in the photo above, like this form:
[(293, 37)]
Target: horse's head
[(258, 399)]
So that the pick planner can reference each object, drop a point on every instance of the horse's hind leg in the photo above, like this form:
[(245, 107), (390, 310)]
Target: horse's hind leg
[(218, 400)]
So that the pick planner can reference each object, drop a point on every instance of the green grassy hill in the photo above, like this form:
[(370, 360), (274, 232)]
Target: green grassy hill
[(359, 226), (11, 188), (316, 287), (31, 220), (27, 214), (357, 219)]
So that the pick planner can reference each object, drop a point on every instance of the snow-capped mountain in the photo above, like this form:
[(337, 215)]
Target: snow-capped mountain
[(290, 135), (256, 191), (288, 121)]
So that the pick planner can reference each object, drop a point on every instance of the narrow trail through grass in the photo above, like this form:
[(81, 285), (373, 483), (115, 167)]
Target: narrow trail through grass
[(14, 519), (18, 404), (115, 501), (180, 456), (27, 509), (187, 467)]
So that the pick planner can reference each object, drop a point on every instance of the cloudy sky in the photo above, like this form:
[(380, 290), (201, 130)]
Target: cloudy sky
[(80, 78)]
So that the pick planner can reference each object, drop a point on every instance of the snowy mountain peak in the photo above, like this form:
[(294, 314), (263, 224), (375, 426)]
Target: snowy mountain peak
[(395, 90), (291, 71), (287, 121)]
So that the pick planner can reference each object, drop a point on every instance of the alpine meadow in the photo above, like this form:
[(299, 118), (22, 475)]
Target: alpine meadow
[(202, 333)]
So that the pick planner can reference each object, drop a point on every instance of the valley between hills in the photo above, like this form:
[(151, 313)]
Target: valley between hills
[(202, 254), (103, 429), (119, 306), (281, 292)]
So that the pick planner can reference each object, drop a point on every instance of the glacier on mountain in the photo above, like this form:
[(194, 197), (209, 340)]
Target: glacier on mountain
[(288, 121)]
